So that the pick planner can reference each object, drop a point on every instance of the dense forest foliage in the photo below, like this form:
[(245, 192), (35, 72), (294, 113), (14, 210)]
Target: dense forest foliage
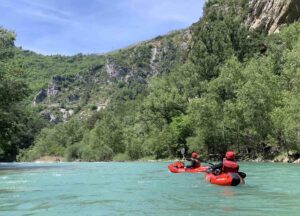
[(18, 123), (234, 89)]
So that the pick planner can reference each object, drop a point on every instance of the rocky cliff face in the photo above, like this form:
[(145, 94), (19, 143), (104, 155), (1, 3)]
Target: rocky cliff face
[(87, 82), (270, 15)]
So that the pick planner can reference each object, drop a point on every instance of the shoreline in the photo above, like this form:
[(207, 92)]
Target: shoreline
[(55, 159)]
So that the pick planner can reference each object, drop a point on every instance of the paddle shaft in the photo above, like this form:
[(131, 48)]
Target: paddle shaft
[(242, 174)]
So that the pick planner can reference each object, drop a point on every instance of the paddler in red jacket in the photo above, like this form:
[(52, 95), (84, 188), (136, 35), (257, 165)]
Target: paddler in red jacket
[(227, 165), (195, 163)]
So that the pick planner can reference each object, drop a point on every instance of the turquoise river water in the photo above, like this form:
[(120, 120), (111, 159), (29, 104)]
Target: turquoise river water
[(144, 189)]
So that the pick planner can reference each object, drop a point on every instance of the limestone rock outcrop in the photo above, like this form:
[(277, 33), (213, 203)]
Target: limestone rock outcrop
[(270, 15), (40, 96)]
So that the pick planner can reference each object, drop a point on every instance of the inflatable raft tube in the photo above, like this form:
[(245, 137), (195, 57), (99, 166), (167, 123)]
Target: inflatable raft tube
[(178, 167), (224, 179)]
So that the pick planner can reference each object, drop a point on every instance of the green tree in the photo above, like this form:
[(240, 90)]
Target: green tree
[(13, 90)]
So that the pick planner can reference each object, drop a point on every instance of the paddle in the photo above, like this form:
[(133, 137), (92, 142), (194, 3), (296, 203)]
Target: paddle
[(183, 152), (207, 162), (242, 174)]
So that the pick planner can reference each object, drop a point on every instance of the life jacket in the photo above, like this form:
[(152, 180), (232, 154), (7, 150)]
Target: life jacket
[(230, 166)]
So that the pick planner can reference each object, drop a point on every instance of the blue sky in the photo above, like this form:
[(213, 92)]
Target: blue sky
[(93, 26)]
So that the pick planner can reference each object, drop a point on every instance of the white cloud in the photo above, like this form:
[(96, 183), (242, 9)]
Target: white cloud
[(46, 8), (41, 12)]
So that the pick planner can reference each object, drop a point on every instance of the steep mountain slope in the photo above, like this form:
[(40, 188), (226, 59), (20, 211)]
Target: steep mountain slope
[(64, 85)]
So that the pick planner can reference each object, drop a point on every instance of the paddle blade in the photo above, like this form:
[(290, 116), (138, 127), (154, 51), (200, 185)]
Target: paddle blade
[(182, 151), (242, 174)]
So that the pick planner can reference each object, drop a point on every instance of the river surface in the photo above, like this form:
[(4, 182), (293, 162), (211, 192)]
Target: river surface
[(144, 189)]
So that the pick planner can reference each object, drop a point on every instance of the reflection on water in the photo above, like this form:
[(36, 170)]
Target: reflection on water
[(143, 189), (227, 192)]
